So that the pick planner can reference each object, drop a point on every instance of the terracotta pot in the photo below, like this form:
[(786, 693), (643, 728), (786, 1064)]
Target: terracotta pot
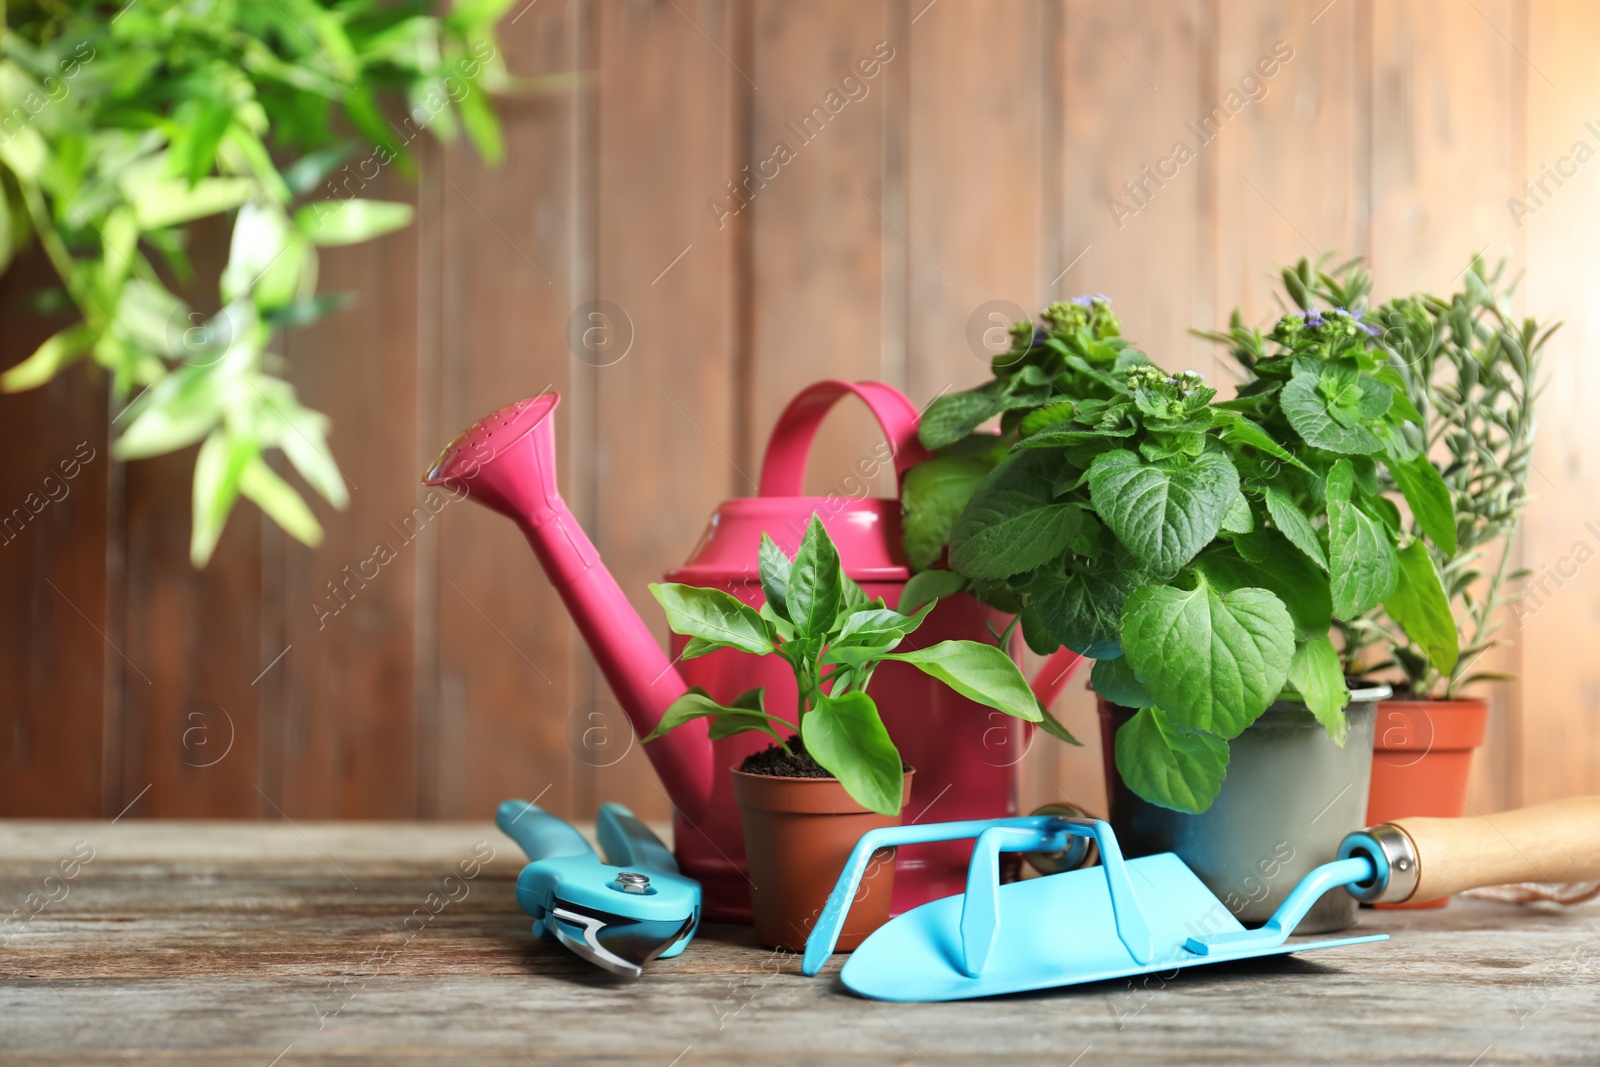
[(798, 833), (1421, 759)]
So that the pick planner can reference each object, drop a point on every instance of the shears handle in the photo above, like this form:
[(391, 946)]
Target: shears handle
[(541, 835), (627, 842)]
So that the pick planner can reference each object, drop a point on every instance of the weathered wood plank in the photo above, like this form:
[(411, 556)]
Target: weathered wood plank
[(54, 655), (1447, 129), (1560, 690), (346, 717), (189, 718), (823, 223), (496, 713), (663, 451), (234, 943)]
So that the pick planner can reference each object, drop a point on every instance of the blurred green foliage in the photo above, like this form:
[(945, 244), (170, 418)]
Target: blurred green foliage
[(120, 125)]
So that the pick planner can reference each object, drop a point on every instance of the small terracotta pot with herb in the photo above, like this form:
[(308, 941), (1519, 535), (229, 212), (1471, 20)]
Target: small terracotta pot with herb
[(833, 773)]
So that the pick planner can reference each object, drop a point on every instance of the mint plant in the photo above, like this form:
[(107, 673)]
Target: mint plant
[(1200, 550), (820, 622)]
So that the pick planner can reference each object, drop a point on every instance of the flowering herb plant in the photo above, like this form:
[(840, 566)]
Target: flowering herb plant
[(1470, 371), (1198, 549), (822, 624)]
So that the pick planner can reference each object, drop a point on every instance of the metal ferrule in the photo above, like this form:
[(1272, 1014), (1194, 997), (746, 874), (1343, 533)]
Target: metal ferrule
[(1394, 859)]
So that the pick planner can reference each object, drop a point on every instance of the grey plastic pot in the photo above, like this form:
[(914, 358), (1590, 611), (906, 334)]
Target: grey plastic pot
[(1290, 797)]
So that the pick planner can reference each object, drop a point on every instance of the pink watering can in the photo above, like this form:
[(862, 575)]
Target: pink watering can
[(965, 754)]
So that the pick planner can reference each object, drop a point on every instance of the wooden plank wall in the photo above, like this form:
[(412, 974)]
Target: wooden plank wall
[(977, 168)]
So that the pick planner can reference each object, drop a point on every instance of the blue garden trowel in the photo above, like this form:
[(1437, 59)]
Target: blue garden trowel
[(618, 914), (1122, 918), (1152, 914)]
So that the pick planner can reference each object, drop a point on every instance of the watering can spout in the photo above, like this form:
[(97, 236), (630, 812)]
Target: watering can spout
[(507, 462)]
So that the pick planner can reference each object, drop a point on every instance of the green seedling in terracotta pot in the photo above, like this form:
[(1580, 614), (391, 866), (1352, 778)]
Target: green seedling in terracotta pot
[(821, 623), (843, 775)]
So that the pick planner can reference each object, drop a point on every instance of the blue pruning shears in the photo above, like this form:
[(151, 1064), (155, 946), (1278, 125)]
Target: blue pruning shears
[(618, 914)]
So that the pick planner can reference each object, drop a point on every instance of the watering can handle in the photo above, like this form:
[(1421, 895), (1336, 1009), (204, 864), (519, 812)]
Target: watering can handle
[(783, 470)]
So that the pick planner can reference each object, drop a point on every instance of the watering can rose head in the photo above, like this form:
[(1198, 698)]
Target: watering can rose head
[(834, 638), (1199, 550)]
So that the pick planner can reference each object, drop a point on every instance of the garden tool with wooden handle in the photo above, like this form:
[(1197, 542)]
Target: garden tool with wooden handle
[(1151, 914), (1426, 859)]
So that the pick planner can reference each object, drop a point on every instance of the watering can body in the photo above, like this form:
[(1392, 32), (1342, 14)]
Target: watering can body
[(966, 755)]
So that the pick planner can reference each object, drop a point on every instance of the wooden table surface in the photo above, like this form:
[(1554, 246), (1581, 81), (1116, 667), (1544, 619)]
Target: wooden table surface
[(272, 943)]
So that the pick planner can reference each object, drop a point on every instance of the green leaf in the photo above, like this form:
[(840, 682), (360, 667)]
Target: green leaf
[(177, 411), (313, 168), (1307, 411), (1012, 523), (217, 469), (278, 499), (851, 596), (747, 712), (1294, 525), (1167, 766), (1113, 680), (167, 203), (1165, 513), (1267, 560), (1364, 567), (1052, 726), (261, 243), (1083, 610), (1429, 499), (696, 647), (304, 441), (933, 496), (1402, 402), (1316, 675), (953, 416), (977, 671), (1238, 518), (930, 585), (847, 737), (1213, 661), (871, 625), (1239, 430), (696, 611), (697, 704), (775, 567), (815, 590), (48, 359), (1420, 606), (347, 222)]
